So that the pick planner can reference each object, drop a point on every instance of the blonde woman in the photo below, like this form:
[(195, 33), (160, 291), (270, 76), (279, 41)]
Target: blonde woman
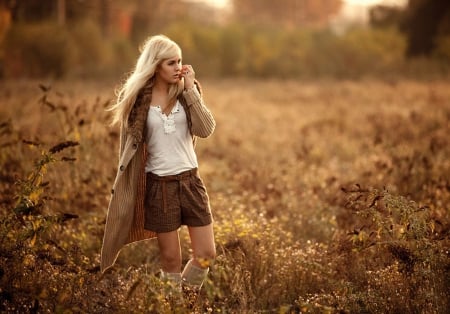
[(157, 189)]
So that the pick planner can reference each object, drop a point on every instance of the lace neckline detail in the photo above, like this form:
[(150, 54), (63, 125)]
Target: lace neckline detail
[(168, 120)]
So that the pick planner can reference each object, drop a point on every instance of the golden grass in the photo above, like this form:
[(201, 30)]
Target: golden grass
[(328, 196)]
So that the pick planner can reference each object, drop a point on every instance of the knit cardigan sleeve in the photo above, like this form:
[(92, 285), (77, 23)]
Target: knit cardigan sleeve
[(203, 123)]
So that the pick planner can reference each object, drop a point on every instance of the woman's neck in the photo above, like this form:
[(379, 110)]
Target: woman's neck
[(160, 87)]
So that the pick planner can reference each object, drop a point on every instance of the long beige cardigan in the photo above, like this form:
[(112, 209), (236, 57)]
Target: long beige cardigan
[(125, 218)]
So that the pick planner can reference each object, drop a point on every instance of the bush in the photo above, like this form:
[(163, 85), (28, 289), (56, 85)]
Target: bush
[(200, 46), (49, 50), (233, 50), (373, 50), (412, 263), (91, 51), (270, 52), (38, 50)]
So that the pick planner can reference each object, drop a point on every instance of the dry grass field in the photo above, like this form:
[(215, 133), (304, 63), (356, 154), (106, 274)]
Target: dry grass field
[(328, 197)]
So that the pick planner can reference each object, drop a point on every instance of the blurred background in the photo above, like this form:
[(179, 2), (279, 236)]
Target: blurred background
[(248, 38), (328, 171)]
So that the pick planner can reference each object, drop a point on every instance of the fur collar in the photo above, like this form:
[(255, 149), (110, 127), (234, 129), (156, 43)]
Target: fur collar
[(138, 115)]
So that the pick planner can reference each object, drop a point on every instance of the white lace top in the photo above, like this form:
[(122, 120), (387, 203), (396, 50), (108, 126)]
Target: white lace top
[(169, 142)]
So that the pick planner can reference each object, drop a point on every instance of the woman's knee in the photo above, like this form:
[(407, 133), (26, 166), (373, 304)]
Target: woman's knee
[(207, 253), (203, 245), (170, 256), (169, 248)]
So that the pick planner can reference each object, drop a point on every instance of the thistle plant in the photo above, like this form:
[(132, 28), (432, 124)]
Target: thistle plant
[(31, 197)]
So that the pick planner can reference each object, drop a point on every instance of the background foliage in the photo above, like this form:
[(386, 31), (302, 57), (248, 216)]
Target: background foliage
[(257, 39), (329, 179)]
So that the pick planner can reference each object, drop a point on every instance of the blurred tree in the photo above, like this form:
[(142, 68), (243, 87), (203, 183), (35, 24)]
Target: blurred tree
[(5, 18), (61, 11), (152, 16), (424, 22), (32, 10), (289, 13), (145, 17), (381, 16), (64, 11)]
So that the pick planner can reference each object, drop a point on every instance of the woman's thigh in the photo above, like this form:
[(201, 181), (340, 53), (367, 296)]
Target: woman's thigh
[(202, 242)]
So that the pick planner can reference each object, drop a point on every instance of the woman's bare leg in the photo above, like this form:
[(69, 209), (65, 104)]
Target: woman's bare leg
[(196, 269), (202, 243), (170, 251)]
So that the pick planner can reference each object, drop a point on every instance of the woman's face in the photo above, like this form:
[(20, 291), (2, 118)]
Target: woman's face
[(169, 70)]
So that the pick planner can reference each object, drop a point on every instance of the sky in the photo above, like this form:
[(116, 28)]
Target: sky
[(352, 11), (358, 10), (224, 3), (372, 2)]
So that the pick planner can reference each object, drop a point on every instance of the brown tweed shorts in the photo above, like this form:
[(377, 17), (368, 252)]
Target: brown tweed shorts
[(175, 200)]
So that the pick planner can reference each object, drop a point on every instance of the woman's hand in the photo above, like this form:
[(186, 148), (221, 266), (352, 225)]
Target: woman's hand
[(189, 75)]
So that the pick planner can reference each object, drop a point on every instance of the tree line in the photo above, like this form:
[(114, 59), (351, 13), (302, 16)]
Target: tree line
[(102, 34)]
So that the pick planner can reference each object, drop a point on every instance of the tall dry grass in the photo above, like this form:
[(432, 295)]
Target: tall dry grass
[(328, 197)]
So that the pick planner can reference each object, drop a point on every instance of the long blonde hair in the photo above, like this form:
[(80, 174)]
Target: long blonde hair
[(155, 50)]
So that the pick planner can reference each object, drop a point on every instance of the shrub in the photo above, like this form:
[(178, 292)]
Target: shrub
[(411, 263), (91, 51), (442, 50), (38, 50), (80, 49), (267, 52)]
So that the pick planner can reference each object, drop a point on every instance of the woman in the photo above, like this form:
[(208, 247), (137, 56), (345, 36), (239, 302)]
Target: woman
[(157, 188)]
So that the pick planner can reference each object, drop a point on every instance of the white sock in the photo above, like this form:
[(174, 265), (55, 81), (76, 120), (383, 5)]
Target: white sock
[(193, 275), (172, 278)]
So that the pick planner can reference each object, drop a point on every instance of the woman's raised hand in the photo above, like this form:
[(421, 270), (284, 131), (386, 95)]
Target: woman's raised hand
[(189, 75)]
